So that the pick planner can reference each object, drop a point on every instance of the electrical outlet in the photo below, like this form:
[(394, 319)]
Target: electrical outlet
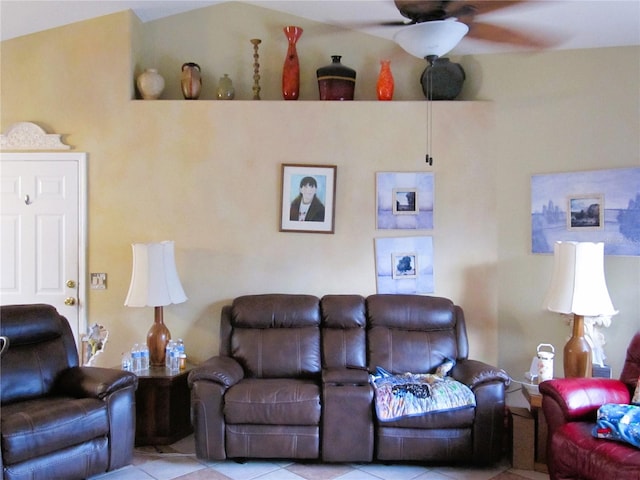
[(98, 281)]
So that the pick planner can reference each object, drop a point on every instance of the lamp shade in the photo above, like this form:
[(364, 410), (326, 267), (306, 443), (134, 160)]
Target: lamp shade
[(578, 284), (154, 278), (436, 37)]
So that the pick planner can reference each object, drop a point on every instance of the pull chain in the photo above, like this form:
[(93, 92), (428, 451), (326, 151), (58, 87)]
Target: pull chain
[(429, 74)]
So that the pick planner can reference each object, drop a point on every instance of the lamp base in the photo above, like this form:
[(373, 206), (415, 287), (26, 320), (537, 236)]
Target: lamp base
[(157, 339), (577, 352)]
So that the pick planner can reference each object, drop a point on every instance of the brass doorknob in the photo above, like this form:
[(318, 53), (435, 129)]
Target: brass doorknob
[(70, 301)]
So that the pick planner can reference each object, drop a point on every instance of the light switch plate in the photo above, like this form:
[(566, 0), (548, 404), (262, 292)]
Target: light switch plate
[(98, 281)]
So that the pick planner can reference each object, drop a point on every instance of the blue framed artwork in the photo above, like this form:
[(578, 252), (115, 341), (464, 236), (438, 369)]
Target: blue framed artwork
[(404, 265), (590, 206), (404, 200)]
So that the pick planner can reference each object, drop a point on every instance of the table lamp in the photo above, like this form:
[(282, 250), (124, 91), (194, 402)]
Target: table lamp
[(578, 287), (155, 283)]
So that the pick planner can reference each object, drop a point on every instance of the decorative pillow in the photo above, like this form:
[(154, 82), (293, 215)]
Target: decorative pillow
[(636, 396), (618, 422), (410, 394)]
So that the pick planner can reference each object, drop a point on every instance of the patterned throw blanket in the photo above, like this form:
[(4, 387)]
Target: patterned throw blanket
[(619, 422), (410, 394)]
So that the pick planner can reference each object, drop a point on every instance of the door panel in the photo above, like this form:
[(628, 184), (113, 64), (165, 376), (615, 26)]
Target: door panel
[(42, 197)]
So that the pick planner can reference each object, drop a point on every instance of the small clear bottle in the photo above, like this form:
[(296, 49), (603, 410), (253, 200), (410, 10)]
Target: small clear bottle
[(175, 359), (167, 354), (180, 346), (135, 357), (144, 356), (126, 361)]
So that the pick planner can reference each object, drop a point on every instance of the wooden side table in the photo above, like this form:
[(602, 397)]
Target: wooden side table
[(535, 402), (163, 406)]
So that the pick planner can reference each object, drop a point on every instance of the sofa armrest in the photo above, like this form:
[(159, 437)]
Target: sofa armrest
[(345, 376), (95, 382), (474, 373), (577, 397), (223, 370)]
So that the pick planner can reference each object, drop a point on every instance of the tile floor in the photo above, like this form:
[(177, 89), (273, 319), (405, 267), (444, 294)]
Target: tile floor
[(178, 462)]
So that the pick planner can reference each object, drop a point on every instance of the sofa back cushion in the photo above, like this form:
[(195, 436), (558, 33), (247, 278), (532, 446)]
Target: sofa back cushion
[(276, 335), (41, 345), (344, 321), (413, 333)]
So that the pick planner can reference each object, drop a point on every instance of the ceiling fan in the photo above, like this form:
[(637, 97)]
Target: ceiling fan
[(467, 12)]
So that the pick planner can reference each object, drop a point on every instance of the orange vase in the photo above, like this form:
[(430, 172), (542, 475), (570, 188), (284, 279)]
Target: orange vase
[(291, 69), (385, 81)]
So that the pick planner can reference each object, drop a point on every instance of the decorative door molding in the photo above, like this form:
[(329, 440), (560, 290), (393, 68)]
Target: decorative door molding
[(29, 136)]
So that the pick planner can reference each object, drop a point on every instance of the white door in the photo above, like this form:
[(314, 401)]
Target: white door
[(42, 231)]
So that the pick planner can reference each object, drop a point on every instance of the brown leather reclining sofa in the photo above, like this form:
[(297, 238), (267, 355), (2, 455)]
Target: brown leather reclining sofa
[(292, 381)]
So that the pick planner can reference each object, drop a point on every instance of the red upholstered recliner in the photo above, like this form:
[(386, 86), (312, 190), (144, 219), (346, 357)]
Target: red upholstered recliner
[(570, 406)]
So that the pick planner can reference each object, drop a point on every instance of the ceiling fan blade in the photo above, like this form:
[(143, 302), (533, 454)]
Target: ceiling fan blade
[(425, 10), (497, 34), (422, 10), (455, 8)]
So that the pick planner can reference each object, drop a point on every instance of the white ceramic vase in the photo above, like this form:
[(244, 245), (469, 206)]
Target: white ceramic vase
[(150, 84)]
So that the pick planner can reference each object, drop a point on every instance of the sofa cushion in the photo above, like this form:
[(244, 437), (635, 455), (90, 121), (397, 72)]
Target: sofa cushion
[(577, 454), (343, 331), (273, 402), (275, 310), (278, 352), (413, 333), (38, 427)]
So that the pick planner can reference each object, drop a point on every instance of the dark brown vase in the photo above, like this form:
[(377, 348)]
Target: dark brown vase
[(291, 69), (442, 79), (191, 81), (336, 81)]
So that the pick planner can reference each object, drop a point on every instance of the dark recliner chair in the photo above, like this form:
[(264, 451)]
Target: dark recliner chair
[(59, 420), (570, 408)]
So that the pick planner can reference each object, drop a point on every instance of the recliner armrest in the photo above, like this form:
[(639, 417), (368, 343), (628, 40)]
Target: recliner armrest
[(474, 373), (345, 376), (94, 382), (578, 397), (223, 370)]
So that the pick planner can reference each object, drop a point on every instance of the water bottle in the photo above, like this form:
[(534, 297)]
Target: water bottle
[(144, 357), (175, 358), (167, 354), (126, 361), (135, 358), (180, 345)]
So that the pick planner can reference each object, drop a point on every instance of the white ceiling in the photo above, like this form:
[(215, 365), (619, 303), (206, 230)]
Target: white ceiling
[(573, 24)]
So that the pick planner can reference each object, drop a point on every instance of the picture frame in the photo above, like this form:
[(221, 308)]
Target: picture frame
[(308, 198), (585, 212), (404, 200), (404, 265), (560, 204)]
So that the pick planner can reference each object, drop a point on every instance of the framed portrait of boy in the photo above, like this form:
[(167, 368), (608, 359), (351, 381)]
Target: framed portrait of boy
[(308, 198)]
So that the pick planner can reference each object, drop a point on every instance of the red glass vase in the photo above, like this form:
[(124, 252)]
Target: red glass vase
[(385, 83), (291, 69)]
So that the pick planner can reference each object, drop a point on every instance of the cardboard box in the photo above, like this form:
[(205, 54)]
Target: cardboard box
[(523, 438)]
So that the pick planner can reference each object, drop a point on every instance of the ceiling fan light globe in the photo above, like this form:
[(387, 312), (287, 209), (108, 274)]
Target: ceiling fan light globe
[(431, 38)]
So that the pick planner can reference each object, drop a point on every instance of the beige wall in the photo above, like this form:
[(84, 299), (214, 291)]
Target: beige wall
[(207, 174)]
